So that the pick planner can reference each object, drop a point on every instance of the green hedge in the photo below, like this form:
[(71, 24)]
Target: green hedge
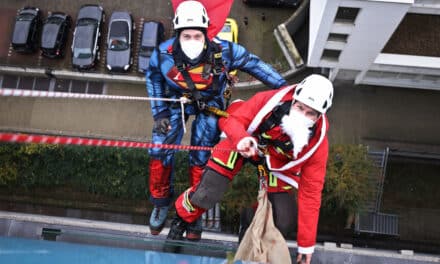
[(114, 172), (123, 174)]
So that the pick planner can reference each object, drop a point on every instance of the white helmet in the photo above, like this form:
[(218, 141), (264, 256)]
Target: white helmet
[(190, 14), (315, 91)]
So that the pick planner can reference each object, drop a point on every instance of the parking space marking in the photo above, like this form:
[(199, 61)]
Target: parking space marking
[(137, 44), (102, 53), (10, 51), (39, 59)]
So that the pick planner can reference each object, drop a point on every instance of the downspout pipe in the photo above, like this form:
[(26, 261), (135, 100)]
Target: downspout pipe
[(283, 33)]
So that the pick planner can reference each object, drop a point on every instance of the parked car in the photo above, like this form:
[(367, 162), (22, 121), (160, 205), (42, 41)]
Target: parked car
[(229, 32), (152, 36), (26, 33), (54, 35), (119, 42), (86, 37), (273, 3)]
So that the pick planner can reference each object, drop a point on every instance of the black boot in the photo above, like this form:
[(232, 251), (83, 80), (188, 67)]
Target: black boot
[(194, 230), (178, 227)]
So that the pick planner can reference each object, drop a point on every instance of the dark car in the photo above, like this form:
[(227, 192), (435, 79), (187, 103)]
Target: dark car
[(273, 3), (86, 37), (26, 33), (119, 42), (54, 35), (152, 36)]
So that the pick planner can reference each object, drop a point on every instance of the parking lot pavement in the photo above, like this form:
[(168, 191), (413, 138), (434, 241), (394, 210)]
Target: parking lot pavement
[(7, 17), (256, 34)]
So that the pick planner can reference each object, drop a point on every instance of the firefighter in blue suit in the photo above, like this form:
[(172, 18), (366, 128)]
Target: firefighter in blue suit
[(192, 66)]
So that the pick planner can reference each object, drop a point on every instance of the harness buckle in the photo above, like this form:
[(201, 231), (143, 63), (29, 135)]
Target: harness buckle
[(206, 71), (217, 70), (187, 95), (180, 67), (217, 63), (201, 105), (227, 93), (217, 55)]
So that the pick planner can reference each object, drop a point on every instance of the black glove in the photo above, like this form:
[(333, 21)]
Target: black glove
[(162, 125)]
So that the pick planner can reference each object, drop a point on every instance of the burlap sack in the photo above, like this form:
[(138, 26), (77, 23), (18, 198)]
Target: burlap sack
[(262, 241)]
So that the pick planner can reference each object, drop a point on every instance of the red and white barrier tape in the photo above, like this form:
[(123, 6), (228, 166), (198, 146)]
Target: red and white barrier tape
[(45, 139), (31, 93)]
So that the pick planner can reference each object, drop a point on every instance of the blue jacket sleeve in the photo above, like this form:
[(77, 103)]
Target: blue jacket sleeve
[(156, 87), (250, 63)]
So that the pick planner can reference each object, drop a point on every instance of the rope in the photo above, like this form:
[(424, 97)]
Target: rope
[(46, 94), (31, 93), (62, 140)]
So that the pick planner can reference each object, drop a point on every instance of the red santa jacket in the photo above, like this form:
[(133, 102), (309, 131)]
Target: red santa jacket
[(310, 164)]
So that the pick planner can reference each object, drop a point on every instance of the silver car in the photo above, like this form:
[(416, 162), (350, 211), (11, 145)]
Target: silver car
[(119, 42), (85, 45)]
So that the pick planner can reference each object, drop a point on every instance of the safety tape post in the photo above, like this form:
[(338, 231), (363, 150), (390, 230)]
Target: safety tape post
[(64, 140)]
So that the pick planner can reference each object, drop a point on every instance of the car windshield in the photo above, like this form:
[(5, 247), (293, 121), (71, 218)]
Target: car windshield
[(82, 53), (55, 20), (118, 37), (226, 28), (118, 44), (87, 21), (25, 17), (146, 51)]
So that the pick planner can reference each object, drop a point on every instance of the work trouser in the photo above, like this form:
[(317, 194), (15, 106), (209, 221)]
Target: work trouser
[(204, 132), (220, 170)]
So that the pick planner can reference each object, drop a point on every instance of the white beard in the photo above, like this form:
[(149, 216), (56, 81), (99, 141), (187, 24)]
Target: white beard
[(297, 127)]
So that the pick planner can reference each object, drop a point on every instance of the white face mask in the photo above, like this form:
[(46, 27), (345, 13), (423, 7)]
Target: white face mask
[(192, 48), (297, 127)]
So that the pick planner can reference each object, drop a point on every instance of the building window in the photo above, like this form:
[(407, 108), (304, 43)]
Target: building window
[(51, 84), (338, 37), (331, 54), (346, 14), (62, 85), (78, 86), (9, 81), (42, 84), (96, 88), (26, 83)]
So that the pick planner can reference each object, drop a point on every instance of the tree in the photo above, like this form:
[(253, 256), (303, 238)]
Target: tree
[(347, 183)]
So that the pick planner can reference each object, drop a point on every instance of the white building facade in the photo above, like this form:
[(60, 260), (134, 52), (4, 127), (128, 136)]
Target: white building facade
[(349, 36)]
